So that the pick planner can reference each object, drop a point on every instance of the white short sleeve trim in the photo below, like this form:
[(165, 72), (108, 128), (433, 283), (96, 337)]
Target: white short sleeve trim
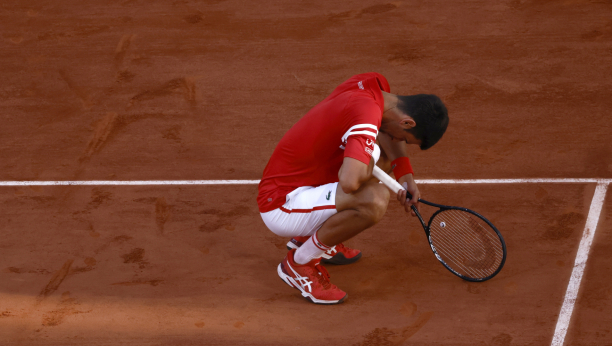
[(350, 131)]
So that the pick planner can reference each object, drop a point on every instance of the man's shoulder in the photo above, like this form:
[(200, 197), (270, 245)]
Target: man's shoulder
[(352, 106), (363, 111), (363, 82), (373, 80), (367, 75)]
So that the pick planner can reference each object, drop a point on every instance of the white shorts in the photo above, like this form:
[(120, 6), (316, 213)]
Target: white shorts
[(305, 211)]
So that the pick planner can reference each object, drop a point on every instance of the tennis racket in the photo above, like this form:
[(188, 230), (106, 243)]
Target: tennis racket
[(462, 240)]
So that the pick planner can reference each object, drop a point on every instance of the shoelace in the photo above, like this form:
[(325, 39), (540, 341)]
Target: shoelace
[(323, 276), (339, 247)]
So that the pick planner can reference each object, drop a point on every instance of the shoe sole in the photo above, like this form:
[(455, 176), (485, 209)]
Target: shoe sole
[(289, 281), (337, 259)]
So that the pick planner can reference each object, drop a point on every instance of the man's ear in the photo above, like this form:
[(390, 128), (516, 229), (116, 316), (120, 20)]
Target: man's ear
[(407, 122)]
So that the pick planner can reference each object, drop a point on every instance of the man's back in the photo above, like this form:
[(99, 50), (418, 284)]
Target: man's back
[(345, 124)]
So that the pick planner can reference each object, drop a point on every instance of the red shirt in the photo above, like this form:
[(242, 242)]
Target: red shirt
[(345, 124)]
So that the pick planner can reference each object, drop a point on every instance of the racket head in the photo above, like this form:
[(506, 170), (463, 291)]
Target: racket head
[(466, 243)]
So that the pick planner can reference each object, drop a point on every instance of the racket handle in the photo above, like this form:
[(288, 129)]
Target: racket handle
[(388, 181), (394, 186)]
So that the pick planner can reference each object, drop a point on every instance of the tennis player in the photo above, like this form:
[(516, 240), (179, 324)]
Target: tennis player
[(318, 187)]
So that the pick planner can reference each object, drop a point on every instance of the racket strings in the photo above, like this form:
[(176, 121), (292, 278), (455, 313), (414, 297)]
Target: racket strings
[(474, 231), (481, 232), (450, 259), (465, 264), (476, 267), (466, 243), (476, 256), (473, 252)]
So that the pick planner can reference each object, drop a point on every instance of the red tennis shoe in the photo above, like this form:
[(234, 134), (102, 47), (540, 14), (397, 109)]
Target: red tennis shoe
[(338, 254), (311, 279)]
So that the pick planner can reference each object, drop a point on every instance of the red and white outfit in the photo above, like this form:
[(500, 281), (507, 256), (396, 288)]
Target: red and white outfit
[(298, 187)]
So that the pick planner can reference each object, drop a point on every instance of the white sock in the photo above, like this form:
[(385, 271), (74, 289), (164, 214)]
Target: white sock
[(310, 250)]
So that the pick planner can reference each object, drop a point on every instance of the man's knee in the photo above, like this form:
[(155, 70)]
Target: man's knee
[(375, 202)]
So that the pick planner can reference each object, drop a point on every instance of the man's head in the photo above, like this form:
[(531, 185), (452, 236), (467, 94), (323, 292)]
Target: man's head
[(429, 115)]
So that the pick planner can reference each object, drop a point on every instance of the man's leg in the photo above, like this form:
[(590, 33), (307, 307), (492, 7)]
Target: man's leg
[(365, 207), (357, 212), (361, 209), (305, 211)]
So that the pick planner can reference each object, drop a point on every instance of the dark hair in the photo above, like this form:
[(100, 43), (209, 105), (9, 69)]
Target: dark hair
[(430, 115)]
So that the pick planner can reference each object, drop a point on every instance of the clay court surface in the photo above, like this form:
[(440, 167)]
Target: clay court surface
[(181, 90)]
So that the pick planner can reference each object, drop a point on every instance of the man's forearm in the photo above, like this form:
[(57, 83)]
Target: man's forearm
[(353, 173)]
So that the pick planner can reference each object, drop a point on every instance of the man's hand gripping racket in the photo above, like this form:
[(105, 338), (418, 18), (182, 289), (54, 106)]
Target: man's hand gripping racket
[(462, 240)]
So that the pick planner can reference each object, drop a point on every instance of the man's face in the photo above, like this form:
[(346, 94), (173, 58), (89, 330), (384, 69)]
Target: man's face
[(399, 134), (396, 125)]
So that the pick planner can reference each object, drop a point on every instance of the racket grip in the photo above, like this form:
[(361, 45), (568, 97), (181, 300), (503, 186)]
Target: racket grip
[(389, 182), (394, 186)]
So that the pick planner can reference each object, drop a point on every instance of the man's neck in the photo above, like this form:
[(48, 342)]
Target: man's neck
[(390, 103)]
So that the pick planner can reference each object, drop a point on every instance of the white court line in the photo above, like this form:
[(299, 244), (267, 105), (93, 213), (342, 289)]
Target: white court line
[(516, 181), (127, 182), (252, 182), (579, 265)]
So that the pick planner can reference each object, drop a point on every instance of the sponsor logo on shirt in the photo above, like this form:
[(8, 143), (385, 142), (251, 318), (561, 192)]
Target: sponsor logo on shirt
[(368, 150), (328, 196), (360, 85), (360, 129)]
